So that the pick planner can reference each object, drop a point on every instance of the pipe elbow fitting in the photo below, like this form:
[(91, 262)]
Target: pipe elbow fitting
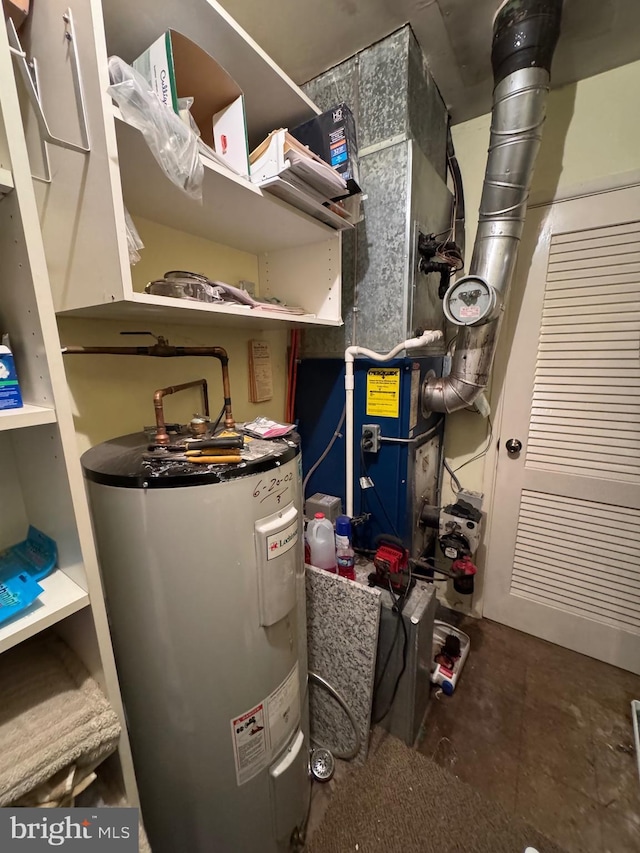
[(448, 394)]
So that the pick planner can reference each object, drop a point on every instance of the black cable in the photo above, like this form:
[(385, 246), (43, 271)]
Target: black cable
[(380, 501), (218, 419), (398, 606), (383, 671), (458, 192)]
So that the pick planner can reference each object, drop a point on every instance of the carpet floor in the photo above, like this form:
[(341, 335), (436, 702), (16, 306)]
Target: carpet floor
[(402, 802)]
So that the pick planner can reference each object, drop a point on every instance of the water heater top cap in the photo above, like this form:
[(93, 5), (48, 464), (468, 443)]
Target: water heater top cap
[(124, 462)]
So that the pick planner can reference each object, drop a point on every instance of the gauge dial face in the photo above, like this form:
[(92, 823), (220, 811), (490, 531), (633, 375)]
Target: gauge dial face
[(469, 301)]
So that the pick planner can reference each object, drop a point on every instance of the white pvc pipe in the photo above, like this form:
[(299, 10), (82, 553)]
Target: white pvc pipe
[(349, 357)]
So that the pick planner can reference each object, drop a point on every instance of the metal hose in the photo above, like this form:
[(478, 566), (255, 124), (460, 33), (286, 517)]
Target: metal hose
[(525, 36), (351, 754)]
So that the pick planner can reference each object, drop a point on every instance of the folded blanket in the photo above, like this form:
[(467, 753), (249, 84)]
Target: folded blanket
[(52, 715), (106, 792)]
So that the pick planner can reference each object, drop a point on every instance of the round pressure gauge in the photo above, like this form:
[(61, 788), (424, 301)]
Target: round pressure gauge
[(470, 301)]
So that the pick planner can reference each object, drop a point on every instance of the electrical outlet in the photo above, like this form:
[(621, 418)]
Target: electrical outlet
[(370, 440)]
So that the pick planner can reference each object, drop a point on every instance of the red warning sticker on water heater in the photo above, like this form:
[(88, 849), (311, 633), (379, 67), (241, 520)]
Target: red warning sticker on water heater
[(263, 730), (250, 748)]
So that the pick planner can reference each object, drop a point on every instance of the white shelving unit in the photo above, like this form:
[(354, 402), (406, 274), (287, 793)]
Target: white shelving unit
[(40, 478), (61, 598), (63, 248), (298, 256), (6, 182), (27, 416)]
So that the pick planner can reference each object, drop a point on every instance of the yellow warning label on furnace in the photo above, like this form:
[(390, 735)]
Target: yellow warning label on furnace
[(383, 392)]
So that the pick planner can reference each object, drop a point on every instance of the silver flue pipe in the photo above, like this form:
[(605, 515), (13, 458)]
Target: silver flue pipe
[(525, 34)]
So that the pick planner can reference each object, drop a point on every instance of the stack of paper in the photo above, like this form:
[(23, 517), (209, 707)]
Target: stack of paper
[(284, 167)]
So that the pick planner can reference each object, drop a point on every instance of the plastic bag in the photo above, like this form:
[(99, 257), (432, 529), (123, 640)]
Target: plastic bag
[(134, 243), (172, 142)]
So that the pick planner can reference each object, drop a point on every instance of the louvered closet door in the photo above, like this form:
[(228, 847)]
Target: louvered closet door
[(563, 557)]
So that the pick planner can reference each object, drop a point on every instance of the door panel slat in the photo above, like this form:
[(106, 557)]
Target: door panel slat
[(546, 566), (609, 514), (617, 239), (572, 564), (591, 234)]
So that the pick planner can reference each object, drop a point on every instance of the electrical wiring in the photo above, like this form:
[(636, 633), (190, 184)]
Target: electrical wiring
[(452, 475), (399, 603), (453, 471), (380, 501), (325, 452), (482, 453)]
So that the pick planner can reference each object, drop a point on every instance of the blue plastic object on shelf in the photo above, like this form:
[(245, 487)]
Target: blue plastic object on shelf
[(21, 567)]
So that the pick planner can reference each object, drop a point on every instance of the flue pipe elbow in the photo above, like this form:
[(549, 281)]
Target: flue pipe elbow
[(525, 34)]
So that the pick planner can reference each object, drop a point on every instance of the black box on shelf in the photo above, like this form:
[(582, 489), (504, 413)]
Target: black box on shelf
[(332, 136)]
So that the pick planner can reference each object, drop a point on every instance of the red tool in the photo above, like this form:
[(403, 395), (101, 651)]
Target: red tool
[(391, 563)]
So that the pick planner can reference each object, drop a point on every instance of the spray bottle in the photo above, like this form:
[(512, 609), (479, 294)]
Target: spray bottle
[(345, 555)]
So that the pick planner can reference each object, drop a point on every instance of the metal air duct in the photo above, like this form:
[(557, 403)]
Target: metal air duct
[(525, 33)]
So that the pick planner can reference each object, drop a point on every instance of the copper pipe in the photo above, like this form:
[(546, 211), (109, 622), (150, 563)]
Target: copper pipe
[(165, 350), (162, 436)]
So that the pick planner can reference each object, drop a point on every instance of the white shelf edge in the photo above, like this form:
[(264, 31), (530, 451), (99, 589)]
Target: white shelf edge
[(165, 309), (6, 182), (26, 416), (61, 598), (320, 229), (207, 163)]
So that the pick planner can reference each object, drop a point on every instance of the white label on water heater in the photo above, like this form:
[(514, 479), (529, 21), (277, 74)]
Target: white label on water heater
[(263, 730), (283, 710), (278, 558), (280, 543)]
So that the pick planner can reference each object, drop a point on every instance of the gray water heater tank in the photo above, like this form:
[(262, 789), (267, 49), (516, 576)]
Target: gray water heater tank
[(204, 578)]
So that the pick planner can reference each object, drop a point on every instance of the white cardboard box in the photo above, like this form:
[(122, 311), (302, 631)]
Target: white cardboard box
[(176, 68)]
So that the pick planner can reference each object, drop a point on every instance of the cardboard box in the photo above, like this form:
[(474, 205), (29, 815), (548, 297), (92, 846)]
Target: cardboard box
[(332, 136), (10, 396), (17, 10), (176, 68)]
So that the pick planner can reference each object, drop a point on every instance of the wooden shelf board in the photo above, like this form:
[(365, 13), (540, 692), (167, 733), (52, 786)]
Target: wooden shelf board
[(164, 309), (61, 598), (26, 416), (233, 212), (271, 98), (6, 182)]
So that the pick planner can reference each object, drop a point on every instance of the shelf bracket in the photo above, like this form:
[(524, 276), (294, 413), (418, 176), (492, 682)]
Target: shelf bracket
[(30, 77)]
